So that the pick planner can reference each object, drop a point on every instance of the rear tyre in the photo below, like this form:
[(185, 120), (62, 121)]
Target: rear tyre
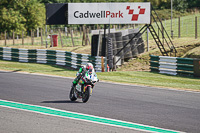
[(72, 95), (86, 95)]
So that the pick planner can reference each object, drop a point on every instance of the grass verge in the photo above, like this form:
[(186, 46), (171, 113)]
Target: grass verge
[(130, 77)]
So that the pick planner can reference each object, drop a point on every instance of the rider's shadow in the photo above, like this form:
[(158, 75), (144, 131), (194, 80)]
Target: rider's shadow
[(61, 101)]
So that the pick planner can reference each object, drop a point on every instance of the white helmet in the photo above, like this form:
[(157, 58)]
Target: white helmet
[(89, 67)]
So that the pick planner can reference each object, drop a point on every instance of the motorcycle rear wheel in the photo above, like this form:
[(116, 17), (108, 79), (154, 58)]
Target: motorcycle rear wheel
[(86, 95), (72, 95)]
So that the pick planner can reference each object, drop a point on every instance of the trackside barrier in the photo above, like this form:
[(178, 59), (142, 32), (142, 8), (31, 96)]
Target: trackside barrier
[(173, 65), (54, 57)]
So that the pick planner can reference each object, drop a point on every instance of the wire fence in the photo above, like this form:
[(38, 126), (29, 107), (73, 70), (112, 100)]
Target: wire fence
[(48, 37), (188, 26), (51, 36), (64, 36)]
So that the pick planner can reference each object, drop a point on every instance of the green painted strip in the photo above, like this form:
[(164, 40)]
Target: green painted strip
[(79, 56), (32, 51), (185, 61), (68, 53), (14, 54), (154, 58), (185, 72), (1, 55), (67, 114), (68, 59), (79, 62), (51, 57), (92, 58), (15, 50), (51, 52), (32, 55), (154, 64), (185, 67), (154, 69)]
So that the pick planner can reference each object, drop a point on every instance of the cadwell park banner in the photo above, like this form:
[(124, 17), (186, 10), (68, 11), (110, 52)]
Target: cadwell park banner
[(109, 13)]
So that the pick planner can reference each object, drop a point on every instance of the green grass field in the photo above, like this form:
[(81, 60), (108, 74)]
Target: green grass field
[(187, 26), (122, 76), (129, 77)]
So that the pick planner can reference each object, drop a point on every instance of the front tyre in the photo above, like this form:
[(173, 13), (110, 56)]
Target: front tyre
[(72, 95), (86, 95)]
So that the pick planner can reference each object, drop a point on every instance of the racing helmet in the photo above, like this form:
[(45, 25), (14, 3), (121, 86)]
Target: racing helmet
[(89, 67)]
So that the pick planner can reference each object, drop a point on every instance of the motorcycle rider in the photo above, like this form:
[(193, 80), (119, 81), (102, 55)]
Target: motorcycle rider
[(88, 67)]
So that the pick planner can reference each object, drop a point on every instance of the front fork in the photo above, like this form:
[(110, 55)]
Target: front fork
[(85, 88), (77, 79)]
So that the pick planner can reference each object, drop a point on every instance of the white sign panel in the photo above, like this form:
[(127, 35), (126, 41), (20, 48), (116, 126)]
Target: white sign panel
[(109, 13)]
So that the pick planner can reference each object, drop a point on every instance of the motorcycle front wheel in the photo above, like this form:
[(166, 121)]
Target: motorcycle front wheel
[(86, 95), (72, 95)]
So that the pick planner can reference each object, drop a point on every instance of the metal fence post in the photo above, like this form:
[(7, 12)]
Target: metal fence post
[(22, 37), (179, 27), (13, 37), (196, 27), (41, 37), (147, 39), (5, 39)]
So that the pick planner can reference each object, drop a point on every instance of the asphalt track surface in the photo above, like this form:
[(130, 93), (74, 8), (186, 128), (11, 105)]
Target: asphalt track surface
[(163, 108)]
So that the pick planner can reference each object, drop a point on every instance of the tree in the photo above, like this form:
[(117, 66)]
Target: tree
[(21, 15), (158, 3), (180, 5), (10, 18), (34, 12), (193, 3)]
